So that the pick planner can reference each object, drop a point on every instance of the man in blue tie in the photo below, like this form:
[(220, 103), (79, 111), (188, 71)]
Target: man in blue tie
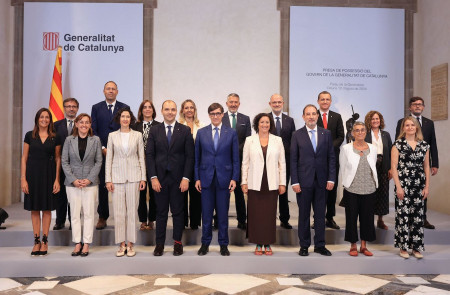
[(102, 115), (217, 171), (312, 174)]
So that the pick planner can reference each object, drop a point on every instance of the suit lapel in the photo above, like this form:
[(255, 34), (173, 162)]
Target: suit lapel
[(308, 139), (88, 147), (74, 143), (175, 134), (162, 134), (66, 132), (226, 120), (223, 133)]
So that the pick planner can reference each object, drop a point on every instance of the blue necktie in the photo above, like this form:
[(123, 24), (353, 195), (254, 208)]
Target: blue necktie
[(169, 134), (313, 139), (278, 126), (110, 108), (216, 138)]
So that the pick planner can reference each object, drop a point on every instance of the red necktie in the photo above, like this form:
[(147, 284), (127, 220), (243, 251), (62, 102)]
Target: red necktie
[(324, 120)]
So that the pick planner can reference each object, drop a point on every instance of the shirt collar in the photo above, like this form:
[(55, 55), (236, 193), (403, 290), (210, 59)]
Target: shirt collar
[(309, 129), (165, 124), (275, 116), (220, 126), (113, 104)]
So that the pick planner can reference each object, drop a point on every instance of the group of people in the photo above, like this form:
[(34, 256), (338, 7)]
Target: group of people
[(191, 168)]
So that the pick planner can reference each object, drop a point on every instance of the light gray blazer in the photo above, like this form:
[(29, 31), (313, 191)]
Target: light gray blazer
[(121, 166), (72, 165)]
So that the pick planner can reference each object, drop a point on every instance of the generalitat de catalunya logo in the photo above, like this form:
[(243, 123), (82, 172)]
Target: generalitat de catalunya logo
[(50, 41)]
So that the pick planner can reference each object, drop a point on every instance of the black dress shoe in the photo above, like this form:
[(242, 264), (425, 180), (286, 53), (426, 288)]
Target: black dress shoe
[(59, 226), (428, 225), (322, 251), (303, 251), (331, 224), (224, 250), (177, 249), (204, 249), (159, 250), (242, 225), (286, 225), (194, 227)]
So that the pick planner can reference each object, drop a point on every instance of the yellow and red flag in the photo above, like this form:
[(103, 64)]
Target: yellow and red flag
[(56, 100)]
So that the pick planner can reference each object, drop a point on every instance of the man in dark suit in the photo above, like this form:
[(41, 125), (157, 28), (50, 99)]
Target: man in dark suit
[(312, 174), (63, 128), (416, 106), (216, 171), (170, 160), (240, 123), (284, 127), (331, 121), (102, 115)]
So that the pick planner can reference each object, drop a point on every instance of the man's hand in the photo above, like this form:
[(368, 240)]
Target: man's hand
[(330, 185), (198, 186), (104, 151), (184, 185), (156, 186), (296, 188), (434, 171)]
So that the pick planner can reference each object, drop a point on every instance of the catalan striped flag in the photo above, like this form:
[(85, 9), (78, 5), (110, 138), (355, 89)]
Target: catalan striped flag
[(56, 100)]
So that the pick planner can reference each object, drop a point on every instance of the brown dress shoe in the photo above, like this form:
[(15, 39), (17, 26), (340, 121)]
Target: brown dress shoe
[(101, 224), (159, 250)]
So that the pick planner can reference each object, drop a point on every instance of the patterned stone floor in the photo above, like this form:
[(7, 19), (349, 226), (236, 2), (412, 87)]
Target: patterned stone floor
[(230, 284)]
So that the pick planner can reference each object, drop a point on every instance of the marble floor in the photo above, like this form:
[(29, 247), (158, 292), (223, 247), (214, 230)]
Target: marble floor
[(280, 284)]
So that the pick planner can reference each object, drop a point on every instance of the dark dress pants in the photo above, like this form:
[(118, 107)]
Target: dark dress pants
[(103, 206), (215, 197), (169, 196), (331, 195), (315, 196), (61, 202), (144, 213), (194, 205), (362, 206), (239, 199), (283, 202)]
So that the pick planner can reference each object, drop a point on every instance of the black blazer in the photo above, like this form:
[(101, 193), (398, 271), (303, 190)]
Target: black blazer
[(429, 136), (336, 126), (61, 128), (103, 121), (178, 158), (287, 129), (243, 129), (387, 146)]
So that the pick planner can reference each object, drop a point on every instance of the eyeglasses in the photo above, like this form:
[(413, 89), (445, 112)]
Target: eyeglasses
[(71, 107), (418, 104), (215, 114), (359, 130)]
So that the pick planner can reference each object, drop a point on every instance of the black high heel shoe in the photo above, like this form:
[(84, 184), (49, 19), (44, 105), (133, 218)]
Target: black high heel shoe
[(74, 253), (44, 241), (37, 241)]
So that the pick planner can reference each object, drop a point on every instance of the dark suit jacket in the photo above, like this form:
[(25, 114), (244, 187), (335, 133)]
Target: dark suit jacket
[(103, 121), (224, 162), (61, 130), (243, 129), (307, 165), (387, 146), (178, 158), (429, 136), (287, 129), (336, 127)]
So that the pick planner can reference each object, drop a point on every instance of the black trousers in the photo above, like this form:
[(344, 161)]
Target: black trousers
[(239, 199), (147, 214), (361, 206), (193, 208), (62, 205), (315, 196), (331, 195), (283, 202), (169, 196), (103, 202)]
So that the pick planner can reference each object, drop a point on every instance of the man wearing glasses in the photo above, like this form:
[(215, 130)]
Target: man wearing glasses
[(416, 107), (63, 129), (216, 174)]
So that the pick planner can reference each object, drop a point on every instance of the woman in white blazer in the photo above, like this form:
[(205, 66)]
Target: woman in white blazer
[(124, 177), (188, 117), (263, 179), (357, 162), (81, 161)]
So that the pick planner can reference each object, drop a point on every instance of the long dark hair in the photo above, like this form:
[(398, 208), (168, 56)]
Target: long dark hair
[(50, 128), (140, 117)]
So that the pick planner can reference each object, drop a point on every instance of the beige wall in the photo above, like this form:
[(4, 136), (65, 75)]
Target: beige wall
[(6, 86), (431, 39)]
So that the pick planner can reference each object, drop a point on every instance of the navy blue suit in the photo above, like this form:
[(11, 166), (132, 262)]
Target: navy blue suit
[(170, 163), (312, 170), (243, 130), (62, 204), (287, 129), (103, 124), (215, 170)]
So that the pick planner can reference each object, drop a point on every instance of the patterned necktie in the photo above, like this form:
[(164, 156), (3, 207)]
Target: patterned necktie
[(169, 134), (420, 121), (233, 121), (278, 126), (313, 139), (69, 129), (110, 108), (216, 138), (324, 120), (145, 135)]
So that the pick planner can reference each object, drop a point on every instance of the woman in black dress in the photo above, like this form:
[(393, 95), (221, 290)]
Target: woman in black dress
[(410, 162), (40, 167)]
